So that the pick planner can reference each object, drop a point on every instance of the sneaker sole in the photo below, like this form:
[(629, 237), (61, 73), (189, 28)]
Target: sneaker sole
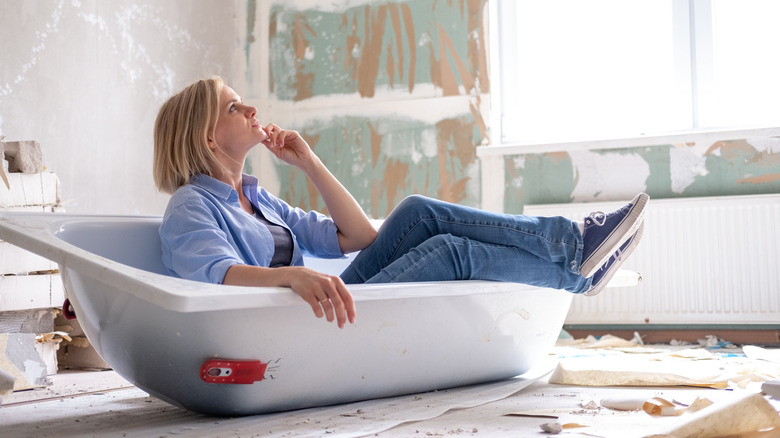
[(616, 266), (617, 238)]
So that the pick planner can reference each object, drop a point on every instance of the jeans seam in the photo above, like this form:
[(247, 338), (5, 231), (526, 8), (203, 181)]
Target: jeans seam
[(485, 224)]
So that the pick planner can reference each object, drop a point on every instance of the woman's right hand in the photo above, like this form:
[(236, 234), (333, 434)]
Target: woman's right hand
[(326, 294)]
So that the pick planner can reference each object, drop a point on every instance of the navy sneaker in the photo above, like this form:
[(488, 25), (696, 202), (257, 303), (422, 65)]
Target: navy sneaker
[(605, 233), (607, 270)]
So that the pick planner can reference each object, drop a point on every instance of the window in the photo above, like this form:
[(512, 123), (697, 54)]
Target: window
[(578, 70)]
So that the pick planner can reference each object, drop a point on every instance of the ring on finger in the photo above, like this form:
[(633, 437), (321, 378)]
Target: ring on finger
[(324, 300)]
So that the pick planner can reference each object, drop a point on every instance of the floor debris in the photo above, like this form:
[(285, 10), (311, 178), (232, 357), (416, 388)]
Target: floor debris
[(500, 409), (629, 364)]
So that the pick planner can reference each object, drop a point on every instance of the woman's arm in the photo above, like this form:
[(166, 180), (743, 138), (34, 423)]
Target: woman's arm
[(355, 230), (323, 292)]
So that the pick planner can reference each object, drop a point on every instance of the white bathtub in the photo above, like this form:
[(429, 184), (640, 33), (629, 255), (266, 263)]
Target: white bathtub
[(158, 331)]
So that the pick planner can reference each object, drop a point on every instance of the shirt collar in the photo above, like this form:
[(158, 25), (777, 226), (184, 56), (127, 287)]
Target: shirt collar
[(222, 190)]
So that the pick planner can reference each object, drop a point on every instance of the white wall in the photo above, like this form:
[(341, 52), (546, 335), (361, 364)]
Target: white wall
[(85, 78)]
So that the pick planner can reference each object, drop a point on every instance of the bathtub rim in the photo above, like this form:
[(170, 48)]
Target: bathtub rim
[(36, 232)]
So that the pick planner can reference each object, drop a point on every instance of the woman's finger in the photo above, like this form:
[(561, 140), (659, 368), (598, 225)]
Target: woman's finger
[(336, 291), (344, 307), (328, 296), (328, 307), (272, 131), (281, 134), (315, 306), (349, 303)]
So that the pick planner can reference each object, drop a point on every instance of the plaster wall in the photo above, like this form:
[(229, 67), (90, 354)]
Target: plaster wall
[(85, 79)]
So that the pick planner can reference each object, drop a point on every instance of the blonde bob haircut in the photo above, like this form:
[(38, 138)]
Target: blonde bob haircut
[(181, 132)]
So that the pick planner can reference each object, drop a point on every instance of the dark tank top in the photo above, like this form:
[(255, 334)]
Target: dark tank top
[(283, 244)]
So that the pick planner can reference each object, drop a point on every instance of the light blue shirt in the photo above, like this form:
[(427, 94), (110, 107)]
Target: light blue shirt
[(205, 231)]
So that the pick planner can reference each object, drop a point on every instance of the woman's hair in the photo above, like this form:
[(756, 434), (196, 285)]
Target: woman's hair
[(181, 132)]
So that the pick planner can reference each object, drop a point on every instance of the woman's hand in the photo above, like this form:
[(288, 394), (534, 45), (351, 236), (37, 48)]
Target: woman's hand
[(325, 293), (288, 146)]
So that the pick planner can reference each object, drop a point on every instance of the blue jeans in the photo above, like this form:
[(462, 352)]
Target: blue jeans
[(425, 239)]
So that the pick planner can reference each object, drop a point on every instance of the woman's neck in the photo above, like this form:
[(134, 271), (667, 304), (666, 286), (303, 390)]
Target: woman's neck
[(236, 181), (231, 172), (233, 178), (231, 169)]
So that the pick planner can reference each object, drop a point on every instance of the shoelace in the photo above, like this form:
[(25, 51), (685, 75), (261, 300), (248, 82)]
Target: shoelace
[(600, 218)]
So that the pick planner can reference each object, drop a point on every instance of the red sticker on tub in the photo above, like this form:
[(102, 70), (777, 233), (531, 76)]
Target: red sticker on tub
[(232, 371)]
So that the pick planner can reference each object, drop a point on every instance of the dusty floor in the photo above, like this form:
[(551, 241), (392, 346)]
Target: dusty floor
[(103, 404)]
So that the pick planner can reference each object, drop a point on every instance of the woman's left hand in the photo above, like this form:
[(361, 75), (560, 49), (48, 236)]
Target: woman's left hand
[(288, 146)]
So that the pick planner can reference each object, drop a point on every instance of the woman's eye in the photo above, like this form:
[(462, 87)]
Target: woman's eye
[(232, 108)]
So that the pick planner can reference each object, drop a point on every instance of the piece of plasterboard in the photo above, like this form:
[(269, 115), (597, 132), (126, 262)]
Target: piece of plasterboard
[(30, 292)]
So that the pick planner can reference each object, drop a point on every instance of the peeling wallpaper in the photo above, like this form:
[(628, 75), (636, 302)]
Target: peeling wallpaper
[(381, 45), (737, 167), (382, 161), (400, 62)]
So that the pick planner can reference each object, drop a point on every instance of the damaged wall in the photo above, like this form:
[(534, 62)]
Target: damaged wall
[(393, 96), (703, 168), (390, 95), (399, 62)]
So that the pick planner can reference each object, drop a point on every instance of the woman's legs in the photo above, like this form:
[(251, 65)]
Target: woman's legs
[(427, 239), (447, 257)]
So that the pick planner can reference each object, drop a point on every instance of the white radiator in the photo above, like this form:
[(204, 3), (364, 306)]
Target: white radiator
[(704, 261)]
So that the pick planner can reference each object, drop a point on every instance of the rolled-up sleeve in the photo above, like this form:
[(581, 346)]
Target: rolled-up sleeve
[(194, 245)]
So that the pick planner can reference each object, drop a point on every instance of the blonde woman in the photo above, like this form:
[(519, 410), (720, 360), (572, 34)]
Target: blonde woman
[(220, 226)]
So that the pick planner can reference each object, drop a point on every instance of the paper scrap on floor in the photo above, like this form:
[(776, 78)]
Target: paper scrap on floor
[(612, 361), (742, 413)]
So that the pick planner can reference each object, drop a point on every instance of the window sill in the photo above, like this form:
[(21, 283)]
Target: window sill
[(708, 137)]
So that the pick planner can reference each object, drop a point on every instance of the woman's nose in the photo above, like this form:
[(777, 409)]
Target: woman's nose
[(250, 111)]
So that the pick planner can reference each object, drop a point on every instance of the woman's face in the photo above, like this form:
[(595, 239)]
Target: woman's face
[(237, 129)]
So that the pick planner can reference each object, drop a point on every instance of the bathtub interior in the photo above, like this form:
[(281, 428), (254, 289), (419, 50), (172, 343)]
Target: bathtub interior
[(139, 244)]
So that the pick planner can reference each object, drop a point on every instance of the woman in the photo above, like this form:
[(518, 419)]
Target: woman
[(221, 227)]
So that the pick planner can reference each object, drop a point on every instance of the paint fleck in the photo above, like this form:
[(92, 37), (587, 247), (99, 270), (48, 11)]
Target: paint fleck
[(769, 145), (762, 179), (251, 13), (369, 63), (303, 81), (613, 174), (685, 166), (393, 181)]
